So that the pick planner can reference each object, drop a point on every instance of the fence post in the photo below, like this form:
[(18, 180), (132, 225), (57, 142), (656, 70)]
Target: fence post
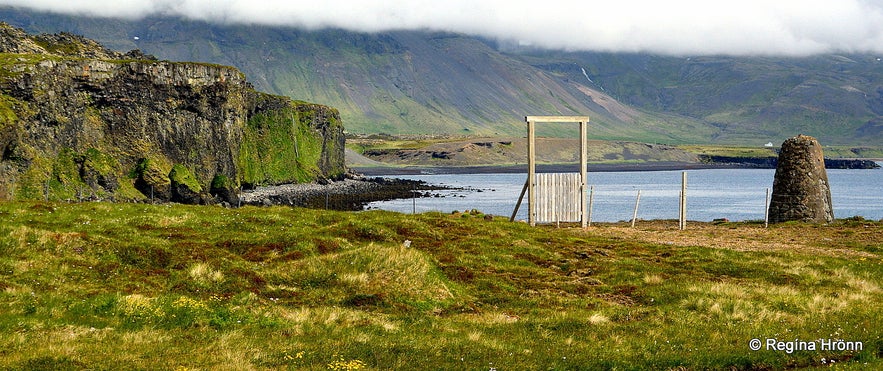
[(637, 202), (683, 203), (766, 209), (591, 201)]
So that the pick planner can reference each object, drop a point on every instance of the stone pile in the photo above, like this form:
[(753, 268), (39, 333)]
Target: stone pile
[(801, 191)]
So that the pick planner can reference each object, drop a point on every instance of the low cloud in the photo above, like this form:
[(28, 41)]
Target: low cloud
[(676, 27)]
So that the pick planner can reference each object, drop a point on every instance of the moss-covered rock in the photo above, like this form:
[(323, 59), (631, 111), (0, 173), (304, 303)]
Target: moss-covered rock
[(151, 179), (185, 187), (99, 170), (224, 189)]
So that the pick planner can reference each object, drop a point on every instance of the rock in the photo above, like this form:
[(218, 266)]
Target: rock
[(75, 114), (185, 188), (801, 191), (224, 189)]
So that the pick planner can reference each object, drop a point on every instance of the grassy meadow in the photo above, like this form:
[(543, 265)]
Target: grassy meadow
[(173, 287)]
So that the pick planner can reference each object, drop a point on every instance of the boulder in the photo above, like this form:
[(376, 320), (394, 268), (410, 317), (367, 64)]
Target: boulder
[(184, 186), (801, 191)]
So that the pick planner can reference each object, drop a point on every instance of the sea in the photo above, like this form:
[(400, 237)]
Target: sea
[(731, 194)]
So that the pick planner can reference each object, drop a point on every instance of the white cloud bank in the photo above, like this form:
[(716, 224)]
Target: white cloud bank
[(681, 27)]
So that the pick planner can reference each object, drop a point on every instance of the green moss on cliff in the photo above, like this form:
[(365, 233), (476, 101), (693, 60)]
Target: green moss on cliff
[(104, 164), (222, 182), (7, 113), (33, 182), (279, 147), (65, 48), (65, 182), (183, 176), (70, 176)]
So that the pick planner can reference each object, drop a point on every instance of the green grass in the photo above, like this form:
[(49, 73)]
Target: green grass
[(731, 151), (110, 286), (760, 152)]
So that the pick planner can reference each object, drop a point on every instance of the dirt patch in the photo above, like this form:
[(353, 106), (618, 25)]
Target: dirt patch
[(818, 239)]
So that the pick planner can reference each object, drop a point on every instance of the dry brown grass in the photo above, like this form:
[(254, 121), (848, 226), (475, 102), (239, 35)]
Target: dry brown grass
[(819, 239)]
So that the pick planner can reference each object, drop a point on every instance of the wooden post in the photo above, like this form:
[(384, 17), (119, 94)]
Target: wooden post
[(683, 205), (637, 202), (583, 172), (766, 209), (520, 198), (531, 173), (591, 201)]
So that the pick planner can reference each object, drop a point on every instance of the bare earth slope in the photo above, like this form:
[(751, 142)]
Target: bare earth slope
[(513, 151)]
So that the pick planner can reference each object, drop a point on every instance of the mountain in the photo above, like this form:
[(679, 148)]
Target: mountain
[(838, 98), (78, 120), (446, 83)]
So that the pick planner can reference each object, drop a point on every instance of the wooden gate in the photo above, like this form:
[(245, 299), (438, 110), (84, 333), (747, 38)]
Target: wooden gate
[(558, 197), (555, 197)]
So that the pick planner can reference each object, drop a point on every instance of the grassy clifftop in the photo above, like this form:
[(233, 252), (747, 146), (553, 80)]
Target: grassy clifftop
[(107, 286)]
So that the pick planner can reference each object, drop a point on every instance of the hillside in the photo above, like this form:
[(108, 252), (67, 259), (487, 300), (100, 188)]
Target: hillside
[(134, 286), (420, 82), (78, 121), (510, 151), (837, 97)]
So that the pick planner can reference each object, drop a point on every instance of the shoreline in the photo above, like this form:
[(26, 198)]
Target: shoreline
[(750, 163), (351, 194), (522, 168)]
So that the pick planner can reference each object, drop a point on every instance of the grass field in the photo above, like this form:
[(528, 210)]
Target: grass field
[(135, 286)]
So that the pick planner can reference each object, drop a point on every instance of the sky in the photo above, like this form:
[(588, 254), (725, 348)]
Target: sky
[(671, 27)]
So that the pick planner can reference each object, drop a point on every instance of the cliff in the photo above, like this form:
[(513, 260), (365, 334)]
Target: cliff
[(81, 121)]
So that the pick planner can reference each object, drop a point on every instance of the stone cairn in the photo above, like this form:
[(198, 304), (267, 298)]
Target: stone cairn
[(801, 190)]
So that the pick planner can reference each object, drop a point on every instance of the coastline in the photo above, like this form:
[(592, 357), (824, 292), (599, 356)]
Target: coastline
[(366, 184), (522, 168), (351, 194), (716, 163)]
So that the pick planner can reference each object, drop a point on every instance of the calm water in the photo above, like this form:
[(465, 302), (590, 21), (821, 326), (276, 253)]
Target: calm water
[(735, 194)]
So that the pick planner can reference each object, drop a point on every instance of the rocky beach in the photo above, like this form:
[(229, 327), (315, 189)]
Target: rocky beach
[(352, 193)]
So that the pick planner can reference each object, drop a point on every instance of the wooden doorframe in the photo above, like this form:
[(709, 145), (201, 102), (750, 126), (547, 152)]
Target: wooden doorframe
[(532, 165)]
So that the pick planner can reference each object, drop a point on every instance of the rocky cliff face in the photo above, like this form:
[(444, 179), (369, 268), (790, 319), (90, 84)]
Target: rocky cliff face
[(78, 120)]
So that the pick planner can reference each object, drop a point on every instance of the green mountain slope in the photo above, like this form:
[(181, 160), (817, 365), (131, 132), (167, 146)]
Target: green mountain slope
[(425, 82), (405, 82), (837, 98)]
